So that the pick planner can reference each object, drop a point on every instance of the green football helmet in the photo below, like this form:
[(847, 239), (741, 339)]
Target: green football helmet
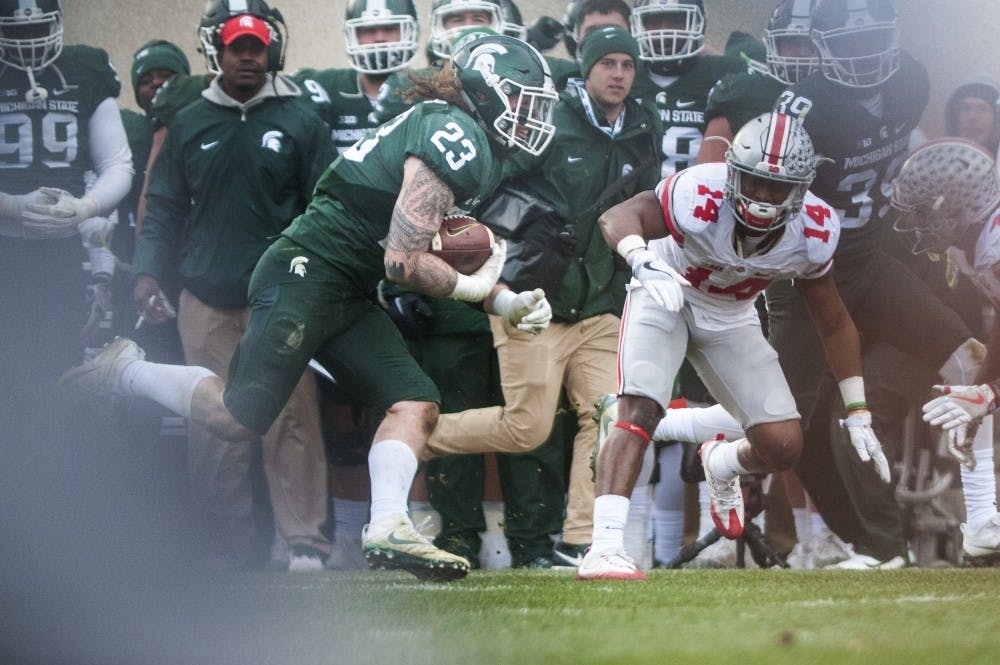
[(857, 40), (513, 23), (789, 27), (442, 38), (31, 33), (508, 88), (381, 57), (668, 31)]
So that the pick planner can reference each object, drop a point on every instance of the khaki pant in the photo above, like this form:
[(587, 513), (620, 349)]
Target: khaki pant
[(294, 458), (581, 356)]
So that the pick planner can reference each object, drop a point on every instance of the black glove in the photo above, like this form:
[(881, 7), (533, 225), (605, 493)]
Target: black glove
[(408, 310), (544, 33)]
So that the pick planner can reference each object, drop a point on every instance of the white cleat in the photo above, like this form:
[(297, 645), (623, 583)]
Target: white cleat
[(864, 562), (398, 545), (725, 496), (981, 548), (608, 565), (102, 374)]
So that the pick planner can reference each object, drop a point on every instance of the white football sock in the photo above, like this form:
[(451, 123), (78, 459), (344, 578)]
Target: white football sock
[(724, 461), (668, 505), (610, 514), (979, 487), (803, 524), (392, 466), (638, 527), (171, 386), (818, 523)]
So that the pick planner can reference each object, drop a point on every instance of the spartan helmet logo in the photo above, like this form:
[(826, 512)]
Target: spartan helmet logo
[(485, 64), (298, 266), (271, 140)]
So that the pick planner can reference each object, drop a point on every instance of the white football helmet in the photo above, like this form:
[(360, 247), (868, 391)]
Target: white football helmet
[(22, 44), (381, 57), (944, 188), (442, 38), (673, 44), (857, 40), (775, 147)]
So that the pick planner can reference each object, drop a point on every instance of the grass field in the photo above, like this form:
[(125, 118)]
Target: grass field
[(693, 616)]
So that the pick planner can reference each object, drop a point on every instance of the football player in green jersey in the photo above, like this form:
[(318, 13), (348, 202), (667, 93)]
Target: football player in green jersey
[(65, 165), (677, 76), (860, 109), (373, 214), (381, 38), (738, 98), (439, 330)]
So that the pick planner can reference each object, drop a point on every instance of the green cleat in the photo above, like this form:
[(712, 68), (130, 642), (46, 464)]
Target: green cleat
[(605, 417)]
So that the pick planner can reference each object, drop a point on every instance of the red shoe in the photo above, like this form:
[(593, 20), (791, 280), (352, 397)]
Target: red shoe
[(725, 496)]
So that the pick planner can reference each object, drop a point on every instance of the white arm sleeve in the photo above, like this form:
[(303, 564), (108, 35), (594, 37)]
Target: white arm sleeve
[(111, 156)]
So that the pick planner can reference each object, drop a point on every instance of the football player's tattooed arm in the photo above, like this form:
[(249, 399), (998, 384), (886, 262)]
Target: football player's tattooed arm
[(713, 147), (640, 216), (422, 203)]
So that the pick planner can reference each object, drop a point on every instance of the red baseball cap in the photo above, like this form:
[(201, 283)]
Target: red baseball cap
[(245, 24)]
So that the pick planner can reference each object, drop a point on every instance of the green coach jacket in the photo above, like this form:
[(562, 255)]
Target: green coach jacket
[(229, 179), (579, 164)]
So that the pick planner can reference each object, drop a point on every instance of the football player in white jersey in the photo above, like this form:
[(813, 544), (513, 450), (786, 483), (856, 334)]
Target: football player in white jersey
[(702, 245), (948, 194)]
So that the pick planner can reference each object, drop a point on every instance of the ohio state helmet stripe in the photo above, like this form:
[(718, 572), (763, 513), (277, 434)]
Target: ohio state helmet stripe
[(777, 138)]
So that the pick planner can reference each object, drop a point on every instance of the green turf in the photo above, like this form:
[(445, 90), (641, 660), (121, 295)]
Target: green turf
[(739, 617)]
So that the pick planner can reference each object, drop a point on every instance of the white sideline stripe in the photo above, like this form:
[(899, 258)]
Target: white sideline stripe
[(827, 602)]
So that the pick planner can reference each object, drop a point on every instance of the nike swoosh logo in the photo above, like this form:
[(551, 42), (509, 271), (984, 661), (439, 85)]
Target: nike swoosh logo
[(573, 160), (457, 230), (686, 105), (648, 265), (393, 540), (978, 400), (60, 92), (209, 146), (570, 560)]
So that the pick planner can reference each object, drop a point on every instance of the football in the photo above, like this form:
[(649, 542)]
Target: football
[(463, 243)]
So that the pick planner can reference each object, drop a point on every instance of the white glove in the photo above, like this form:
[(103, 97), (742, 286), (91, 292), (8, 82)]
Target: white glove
[(528, 310), (663, 282), (859, 426), (475, 287), (61, 216), (959, 405), (954, 410), (12, 206)]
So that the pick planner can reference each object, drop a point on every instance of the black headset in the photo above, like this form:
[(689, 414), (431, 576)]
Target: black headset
[(278, 46)]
